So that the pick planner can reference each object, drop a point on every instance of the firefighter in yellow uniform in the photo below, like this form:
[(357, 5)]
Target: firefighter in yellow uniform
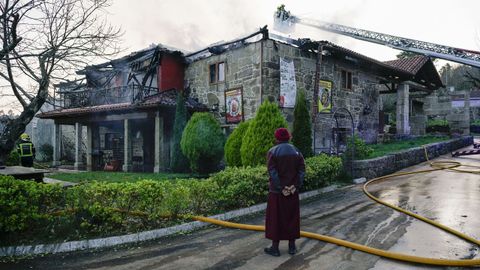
[(26, 150)]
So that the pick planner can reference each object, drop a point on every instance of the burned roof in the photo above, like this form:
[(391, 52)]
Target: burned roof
[(418, 70), (304, 44), (344, 54), (134, 56), (221, 47), (162, 99)]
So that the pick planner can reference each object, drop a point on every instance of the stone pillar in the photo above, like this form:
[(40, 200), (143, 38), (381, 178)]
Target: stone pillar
[(57, 140), (466, 130), (159, 161), (403, 109), (78, 146), (127, 144), (89, 147)]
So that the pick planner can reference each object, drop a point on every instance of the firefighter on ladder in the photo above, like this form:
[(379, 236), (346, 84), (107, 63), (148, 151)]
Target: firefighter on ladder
[(26, 150)]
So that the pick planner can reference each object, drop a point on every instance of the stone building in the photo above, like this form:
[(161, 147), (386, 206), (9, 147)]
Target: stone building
[(127, 104), (253, 66)]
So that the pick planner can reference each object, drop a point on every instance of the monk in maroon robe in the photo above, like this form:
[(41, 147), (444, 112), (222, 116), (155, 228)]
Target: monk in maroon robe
[(286, 168)]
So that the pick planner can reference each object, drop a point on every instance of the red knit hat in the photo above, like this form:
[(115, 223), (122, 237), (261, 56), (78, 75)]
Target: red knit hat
[(282, 135)]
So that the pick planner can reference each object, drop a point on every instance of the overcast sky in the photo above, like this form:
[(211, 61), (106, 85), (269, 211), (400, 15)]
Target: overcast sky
[(190, 25)]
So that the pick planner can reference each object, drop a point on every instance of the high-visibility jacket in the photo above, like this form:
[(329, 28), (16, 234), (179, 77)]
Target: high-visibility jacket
[(26, 149)]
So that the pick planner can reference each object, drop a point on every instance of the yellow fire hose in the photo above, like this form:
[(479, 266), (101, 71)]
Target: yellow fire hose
[(436, 166)]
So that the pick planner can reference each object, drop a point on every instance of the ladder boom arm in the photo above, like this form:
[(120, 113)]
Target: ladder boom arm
[(463, 56)]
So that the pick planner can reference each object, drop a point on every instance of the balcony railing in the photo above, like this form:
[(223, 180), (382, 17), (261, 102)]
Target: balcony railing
[(112, 95)]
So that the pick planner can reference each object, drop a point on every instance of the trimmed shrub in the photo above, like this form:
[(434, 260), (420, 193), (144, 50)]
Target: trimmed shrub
[(203, 195), (202, 143), (362, 150), (475, 126), (233, 145), (179, 160), (437, 122), (302, 126), (13, 159), (259, 137), (475, 122), (241, 187), (321, 171), (438, 125), (26, 207)]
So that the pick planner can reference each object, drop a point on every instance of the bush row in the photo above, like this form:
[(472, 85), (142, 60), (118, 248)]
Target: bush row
[(47, 212)]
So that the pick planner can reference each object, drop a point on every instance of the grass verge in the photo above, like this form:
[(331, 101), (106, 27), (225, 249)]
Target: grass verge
[(396, 146)]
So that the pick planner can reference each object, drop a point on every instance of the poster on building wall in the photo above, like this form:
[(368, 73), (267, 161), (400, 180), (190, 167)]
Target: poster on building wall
[(288, 85), (324, 96), (233, 105)]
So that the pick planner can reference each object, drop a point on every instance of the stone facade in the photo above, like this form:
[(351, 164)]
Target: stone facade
[(243, 66), (242, 69)]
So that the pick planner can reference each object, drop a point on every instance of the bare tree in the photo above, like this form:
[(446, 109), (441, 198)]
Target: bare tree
[(9, 15), (44, 42)]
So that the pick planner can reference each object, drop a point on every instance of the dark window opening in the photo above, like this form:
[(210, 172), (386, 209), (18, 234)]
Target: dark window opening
[(217, 72), (112, 141), (346, 80)]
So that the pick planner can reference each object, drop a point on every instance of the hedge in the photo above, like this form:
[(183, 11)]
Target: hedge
[(322, 170), (35, 212)]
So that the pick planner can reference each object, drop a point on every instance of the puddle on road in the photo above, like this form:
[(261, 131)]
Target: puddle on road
[(449, 198), (423, 240)]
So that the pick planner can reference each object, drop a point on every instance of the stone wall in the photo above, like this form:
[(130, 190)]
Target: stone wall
[(439, 106), (371, 168), (418, 124), (242, 69)]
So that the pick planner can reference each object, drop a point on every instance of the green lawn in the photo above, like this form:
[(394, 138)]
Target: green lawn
[(115, 176), (387, 148)]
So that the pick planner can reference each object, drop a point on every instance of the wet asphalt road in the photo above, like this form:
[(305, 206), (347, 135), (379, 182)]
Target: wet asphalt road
[(449, 198)]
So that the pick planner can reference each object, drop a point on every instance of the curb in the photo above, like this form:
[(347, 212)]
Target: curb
[(49, 180), (141, 236)]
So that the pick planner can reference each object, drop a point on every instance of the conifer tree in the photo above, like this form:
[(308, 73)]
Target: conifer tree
[(302, 125), (259, 137), (202, 143), (233, 145), (179, 160)]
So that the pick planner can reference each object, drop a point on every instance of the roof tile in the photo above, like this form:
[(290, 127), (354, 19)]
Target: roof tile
[(411, 64)]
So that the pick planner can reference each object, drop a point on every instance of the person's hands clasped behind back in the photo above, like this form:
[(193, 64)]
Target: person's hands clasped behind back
[(287, 191)]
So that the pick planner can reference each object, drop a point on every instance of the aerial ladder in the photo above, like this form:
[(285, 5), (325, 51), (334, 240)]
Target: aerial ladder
[(284, 21)]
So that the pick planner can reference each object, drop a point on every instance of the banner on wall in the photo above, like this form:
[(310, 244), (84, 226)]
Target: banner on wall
[(288, 85), (324, 96), (233, 105)]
